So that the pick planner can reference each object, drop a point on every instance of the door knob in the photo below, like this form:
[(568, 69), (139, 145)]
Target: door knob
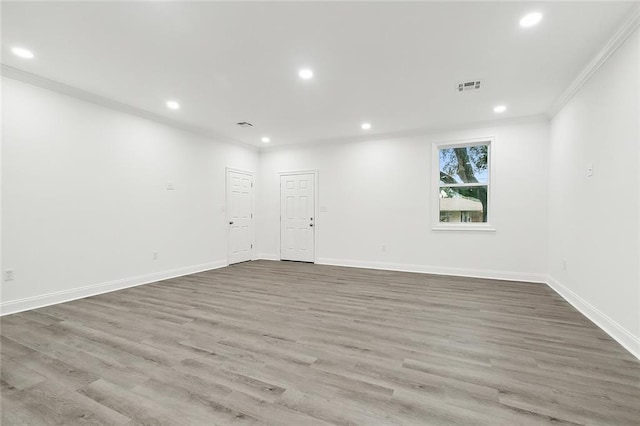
[(231, 223)]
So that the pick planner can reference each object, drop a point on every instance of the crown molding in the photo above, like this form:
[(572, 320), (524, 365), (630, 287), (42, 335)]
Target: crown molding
[(65, 89), (620, 36)]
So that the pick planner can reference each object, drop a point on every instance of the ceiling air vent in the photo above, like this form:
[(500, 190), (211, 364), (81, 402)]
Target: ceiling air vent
[(468, 85), (244, 124)]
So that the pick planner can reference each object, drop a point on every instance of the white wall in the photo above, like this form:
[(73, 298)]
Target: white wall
[(593, 221), (85, 201), (378, 192)]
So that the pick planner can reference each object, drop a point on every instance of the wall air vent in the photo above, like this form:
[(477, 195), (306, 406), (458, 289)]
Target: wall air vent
[(468, 85), (244, 124)]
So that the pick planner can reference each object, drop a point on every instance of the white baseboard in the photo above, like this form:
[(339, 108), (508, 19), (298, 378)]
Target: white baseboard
[(437, 270), (612, 328), (28, 303), (267, 256)]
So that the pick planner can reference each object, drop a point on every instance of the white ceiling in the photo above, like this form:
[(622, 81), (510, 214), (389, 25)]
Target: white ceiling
[(393, 64)]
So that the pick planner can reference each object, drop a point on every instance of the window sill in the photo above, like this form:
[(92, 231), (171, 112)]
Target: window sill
[(474, 228)]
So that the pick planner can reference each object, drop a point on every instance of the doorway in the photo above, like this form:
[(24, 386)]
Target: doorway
[(297, 216), (239, 215)]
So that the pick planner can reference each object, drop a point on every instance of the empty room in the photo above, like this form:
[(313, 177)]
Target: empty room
[(320, 213)]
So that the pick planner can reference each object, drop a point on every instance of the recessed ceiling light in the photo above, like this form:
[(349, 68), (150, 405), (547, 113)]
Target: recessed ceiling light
[(500, 109), (365, 126), (530, 19), (173, 105), (305, 74), (22, 52), (265, 139)]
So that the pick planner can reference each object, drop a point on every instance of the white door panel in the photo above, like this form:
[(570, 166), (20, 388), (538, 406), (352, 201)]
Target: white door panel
[(239, 215), (297, 217)]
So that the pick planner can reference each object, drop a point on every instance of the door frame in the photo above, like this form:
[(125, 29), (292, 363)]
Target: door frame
[(316, 198), (227, 210)]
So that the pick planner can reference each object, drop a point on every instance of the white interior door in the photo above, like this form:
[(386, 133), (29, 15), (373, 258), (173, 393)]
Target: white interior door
[(240, 215), (297, 217)]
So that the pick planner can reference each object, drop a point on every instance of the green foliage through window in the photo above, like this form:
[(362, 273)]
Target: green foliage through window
[(464, 183)]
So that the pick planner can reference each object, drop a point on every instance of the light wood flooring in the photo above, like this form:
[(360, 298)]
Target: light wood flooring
[(284, 343)]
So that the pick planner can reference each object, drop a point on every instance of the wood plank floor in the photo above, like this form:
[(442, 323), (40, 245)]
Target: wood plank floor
[(285, 343)]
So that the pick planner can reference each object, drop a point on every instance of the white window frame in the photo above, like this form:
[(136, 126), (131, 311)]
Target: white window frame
[(435, 179)]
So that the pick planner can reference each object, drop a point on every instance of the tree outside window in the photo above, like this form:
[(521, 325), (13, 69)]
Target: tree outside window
[(464, 182)]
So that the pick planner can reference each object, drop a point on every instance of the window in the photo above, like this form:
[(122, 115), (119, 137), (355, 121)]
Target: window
[(463, 184), (445, 216)]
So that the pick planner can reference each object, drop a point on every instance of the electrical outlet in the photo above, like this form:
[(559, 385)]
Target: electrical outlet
[(154, 255), (9, 275)]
